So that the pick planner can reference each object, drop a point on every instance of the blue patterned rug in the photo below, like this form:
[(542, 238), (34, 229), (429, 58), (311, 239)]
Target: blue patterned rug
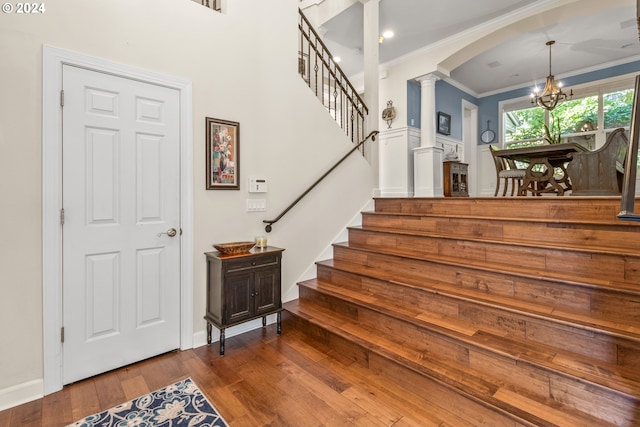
[(179, 405)]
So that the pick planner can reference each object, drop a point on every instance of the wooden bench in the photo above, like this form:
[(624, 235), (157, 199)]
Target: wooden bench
[(599, 172)]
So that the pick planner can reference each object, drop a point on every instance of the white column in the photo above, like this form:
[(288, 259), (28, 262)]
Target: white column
[(371, 62), (428, 110), (427, 168), (371, 76)]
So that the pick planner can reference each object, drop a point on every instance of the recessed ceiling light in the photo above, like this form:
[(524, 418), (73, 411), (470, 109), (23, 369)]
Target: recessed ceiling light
[(337, 59), (387, 34)]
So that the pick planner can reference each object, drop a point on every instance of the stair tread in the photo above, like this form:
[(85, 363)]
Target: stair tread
[(475, 216), (512, 242), (586, 282), (532, 409), (539, 354), (528, 308), (598, 208)]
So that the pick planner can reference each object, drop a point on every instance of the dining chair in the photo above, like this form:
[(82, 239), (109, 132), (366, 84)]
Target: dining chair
[(507, 170)]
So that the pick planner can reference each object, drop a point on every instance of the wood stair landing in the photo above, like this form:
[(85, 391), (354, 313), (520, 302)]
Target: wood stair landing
[(522, 311)]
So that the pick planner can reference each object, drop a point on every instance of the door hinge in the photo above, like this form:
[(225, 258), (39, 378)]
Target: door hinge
[(62, 98), (62, 216), (62, 334)]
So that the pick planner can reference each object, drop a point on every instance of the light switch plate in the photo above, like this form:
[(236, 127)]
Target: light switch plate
[(256, 205)]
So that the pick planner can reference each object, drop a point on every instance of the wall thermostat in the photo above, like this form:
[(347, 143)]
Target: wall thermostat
[(257, 185)]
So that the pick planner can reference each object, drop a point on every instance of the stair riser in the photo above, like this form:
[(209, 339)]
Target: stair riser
[(438, 394), (601, 210), (618, 305), (597, 345), (612, 237), (580, 264), (532, 379)]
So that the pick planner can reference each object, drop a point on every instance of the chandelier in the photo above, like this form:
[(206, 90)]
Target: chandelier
[(552, 92)]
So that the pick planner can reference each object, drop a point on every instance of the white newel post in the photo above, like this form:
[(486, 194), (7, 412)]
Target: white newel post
[(396, 148), (428, 157)]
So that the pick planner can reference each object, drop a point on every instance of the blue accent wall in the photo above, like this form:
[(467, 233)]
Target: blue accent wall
[(449, 99), (413, 103)]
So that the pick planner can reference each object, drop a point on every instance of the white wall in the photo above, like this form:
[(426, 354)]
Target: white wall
[(243, 66)]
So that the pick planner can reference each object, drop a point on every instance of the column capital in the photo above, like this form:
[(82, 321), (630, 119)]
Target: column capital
[(427, 79)]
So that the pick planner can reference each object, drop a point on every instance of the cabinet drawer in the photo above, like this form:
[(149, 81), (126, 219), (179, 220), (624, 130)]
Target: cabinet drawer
[(457, 167), (254, 262)]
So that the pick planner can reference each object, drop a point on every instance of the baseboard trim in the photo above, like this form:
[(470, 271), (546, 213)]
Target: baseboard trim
[(21, 393)]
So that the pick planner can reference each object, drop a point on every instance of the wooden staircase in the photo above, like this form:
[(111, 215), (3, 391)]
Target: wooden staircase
[(492, 311)]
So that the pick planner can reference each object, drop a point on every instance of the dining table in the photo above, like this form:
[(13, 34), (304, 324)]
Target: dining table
[(546, 166)]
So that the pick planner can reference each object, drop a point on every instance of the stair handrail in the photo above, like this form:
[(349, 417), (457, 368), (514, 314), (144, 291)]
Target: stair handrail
[(627, 200), (212, 4), (270, 222), (341, 85)]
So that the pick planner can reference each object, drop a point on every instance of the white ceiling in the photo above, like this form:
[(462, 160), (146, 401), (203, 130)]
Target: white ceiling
[(582, 43)]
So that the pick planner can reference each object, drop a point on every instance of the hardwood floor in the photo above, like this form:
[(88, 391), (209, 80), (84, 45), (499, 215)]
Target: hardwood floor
[(263, 380)]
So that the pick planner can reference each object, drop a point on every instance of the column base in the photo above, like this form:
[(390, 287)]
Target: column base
[(427, 170)]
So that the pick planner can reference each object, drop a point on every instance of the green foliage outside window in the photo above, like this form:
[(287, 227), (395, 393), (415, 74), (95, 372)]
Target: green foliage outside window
[(577, 115), (526, 127), (574, 120), (524, 124), (617, 109)]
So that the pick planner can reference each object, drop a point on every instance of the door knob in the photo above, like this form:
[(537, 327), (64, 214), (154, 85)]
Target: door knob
[(170, 232)]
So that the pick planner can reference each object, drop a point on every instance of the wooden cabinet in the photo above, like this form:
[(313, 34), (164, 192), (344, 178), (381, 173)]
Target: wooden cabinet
[(242, 287), (455, 179)]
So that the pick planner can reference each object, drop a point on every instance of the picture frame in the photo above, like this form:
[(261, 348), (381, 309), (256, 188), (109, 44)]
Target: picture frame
[(444, 123), (223, 154)]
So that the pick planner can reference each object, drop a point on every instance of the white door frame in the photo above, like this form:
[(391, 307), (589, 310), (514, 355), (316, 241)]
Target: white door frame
[(470, 141), (53, 60)]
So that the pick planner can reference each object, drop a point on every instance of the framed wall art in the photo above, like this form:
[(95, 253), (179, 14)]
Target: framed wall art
[(223, 154), (444, 123)]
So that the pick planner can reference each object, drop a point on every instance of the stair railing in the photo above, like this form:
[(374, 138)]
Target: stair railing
[(270, 222), (212, 4), (325, 78), (627, 200)]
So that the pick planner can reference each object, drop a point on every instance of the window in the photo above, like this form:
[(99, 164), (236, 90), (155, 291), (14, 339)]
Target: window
[(617, 109), (524, 127), (587, 118)]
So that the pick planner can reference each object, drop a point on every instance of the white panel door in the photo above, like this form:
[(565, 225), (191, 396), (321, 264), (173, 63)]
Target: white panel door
[(121, 198)]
